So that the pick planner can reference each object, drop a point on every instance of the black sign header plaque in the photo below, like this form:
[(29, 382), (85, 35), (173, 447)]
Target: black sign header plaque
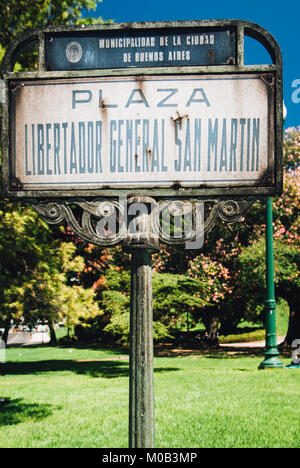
[(147, 47)]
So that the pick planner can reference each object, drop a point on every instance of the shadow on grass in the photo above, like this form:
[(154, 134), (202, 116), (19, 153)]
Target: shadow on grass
[(16, 412), (209, 353), (105, 369)]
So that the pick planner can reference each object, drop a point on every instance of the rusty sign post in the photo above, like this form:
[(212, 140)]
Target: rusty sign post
[(137, 127)]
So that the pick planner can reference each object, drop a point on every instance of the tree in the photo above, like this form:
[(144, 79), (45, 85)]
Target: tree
[(34, 277), (20, 15), (286, 235), (232, 259), (24, 243), (229, 271), (287, 281), (177, 302)]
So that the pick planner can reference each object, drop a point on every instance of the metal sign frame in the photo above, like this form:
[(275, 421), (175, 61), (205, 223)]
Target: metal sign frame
[(12, 188)]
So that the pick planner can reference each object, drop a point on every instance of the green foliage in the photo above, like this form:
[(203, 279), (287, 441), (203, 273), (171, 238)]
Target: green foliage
[(253, 272), (257, 335), (282, 316), (2, 52), (119, 327), (20, 15), (115, 302), (34, 271), (25, 252), (176, 295), (232, 262), (37, 269), (78, 304), (116, 306)]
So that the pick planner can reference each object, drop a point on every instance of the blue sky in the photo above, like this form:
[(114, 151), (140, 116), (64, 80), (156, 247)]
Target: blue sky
[(280, 19)]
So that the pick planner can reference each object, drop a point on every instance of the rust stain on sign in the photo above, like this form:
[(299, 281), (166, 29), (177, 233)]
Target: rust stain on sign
[(179, 118), (143, 131)]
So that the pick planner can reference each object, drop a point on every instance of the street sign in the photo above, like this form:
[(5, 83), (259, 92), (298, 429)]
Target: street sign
[(158, 109), (150, 132), (148, 47)]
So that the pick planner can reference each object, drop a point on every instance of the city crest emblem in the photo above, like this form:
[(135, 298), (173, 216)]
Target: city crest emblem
[(74, 52)]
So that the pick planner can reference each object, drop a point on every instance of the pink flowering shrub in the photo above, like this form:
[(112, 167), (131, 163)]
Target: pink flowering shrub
[(225, 280), (232, 264)]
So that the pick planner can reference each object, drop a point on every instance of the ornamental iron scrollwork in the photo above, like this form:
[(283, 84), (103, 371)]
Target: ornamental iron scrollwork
[(142, 221)]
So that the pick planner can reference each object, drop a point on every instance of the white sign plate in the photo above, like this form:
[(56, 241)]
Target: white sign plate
[(143, 132)]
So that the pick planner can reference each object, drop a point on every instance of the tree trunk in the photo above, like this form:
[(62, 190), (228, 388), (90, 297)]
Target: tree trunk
[(210, 319), (212, 331), (6, 331), (53, 339)]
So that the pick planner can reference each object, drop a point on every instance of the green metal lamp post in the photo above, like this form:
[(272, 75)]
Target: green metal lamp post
[(271, 352)]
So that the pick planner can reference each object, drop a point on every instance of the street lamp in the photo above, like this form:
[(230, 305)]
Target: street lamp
[(271, 351)]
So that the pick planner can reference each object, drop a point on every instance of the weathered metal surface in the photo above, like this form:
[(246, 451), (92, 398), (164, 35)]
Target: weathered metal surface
[(239, 29), (107, 223), (141, 243), (271, 178), (149, 132), (141, 387), (132, 48)]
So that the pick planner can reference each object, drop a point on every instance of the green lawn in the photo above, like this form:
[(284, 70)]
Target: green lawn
[(69, 397)]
